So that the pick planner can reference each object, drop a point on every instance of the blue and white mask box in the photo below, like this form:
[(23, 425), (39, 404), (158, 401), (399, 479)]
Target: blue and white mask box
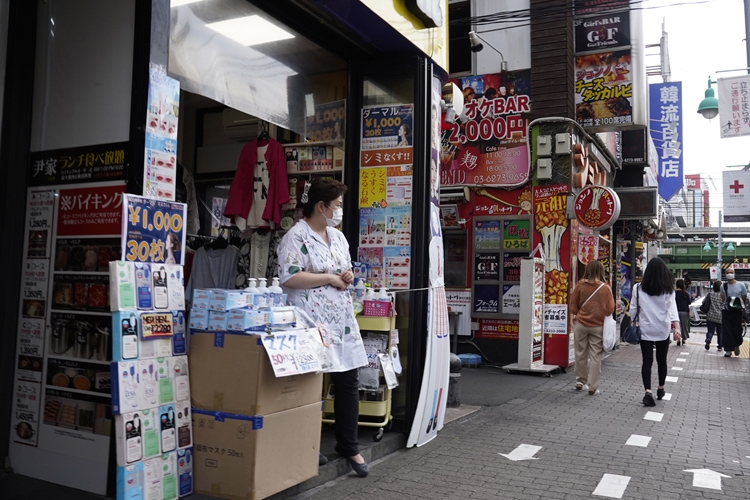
[(225, 300)]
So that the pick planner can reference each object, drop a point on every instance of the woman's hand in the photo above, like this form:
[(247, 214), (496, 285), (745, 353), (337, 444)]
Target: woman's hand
[(347, 276), (337, 281)]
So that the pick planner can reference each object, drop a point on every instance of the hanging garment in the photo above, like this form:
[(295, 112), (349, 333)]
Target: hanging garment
[(259, 244), (212, 269), (242, 192), (272, 269)]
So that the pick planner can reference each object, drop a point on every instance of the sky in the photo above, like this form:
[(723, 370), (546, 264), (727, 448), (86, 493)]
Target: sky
[(697, 52)]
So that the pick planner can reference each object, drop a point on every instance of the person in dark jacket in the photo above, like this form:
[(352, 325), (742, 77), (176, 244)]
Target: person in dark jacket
[(682, 299)]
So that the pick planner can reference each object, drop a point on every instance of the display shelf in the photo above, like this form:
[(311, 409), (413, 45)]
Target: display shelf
[(315, 172), (376, 323), (314, 143)]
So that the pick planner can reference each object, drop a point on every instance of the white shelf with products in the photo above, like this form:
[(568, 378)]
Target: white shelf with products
[(318, 157)]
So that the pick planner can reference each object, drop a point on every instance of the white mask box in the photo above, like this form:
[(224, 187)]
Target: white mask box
[(152, 475), (129, 438), (121, 285), (168, 428), (125, 338), (169, 476), (124, 380), (151, 433), (166, 382), (148, 383), (176, 287), (198, 319), (130, 482)]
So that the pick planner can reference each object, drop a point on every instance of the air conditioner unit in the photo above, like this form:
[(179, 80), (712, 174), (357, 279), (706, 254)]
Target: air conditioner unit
[(240, 126), (453, 194)]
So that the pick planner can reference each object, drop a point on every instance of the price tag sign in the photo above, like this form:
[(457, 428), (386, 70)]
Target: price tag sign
[(292, 352), (153, 230)]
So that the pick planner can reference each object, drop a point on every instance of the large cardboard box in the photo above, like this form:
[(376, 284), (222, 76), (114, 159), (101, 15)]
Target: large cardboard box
[(251, 458), (231, 372)]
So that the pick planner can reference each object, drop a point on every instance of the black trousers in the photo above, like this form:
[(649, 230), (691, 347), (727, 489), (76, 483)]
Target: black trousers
[(731, 329), (346, 410), (647, 352)]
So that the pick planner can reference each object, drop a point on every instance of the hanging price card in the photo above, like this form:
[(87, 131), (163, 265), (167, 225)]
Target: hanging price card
[(153, 230), (292, 352)]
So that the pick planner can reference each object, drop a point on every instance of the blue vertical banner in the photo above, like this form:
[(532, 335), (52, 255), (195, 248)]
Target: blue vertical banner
[(665, 113)]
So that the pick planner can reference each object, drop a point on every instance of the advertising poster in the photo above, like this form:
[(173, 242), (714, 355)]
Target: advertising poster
[(25, 418), (153, 230), (160, 163), (398, 186), (397, 266), (487, 266), (538, 306), (486, 299), (459, 301), (665, 116), (516, 235), (551, 230), (328, 123), (387, 130), (398, 226), (511, 267), (487, 143), (372, 187), (90, 210), (603, 32), (489, 201), (736, 187), (99, 163), (588, 248), (218, 220), (487, 235), (511, 299), (556, 319), (604, 89), (505, 329), (734, 106)]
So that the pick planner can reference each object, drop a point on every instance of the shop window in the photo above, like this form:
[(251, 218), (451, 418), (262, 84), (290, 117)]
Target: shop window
[(459, 57)]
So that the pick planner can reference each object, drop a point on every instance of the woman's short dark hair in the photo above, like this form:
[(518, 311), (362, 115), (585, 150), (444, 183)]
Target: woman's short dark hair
[(717, 286), (325, 190), (680, 285), (657, 278)]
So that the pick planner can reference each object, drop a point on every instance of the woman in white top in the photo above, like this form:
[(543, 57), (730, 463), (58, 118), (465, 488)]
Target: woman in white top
[(653, 301), (315, 270)]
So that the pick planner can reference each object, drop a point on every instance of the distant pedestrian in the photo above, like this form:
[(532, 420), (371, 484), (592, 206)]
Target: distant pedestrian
[(682, 299), (654, 303), (713, 316), (590, 302), (733, 299)]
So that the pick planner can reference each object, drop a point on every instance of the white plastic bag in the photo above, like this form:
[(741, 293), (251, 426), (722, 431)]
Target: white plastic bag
[(609, 334)]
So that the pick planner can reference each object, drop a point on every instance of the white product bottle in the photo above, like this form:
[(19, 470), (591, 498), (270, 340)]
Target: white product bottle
[(370, 294), (359, 291), (252, 289), (263, 291), (382, 296), (275, 292)]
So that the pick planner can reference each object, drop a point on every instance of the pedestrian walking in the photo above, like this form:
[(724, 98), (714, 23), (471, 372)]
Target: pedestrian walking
[(682, 299), (733, 300), (654, 303), (590, 303), (713, 316)]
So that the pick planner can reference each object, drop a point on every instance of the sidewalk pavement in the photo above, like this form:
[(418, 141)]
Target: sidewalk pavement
[(578, 446), (694, 444)]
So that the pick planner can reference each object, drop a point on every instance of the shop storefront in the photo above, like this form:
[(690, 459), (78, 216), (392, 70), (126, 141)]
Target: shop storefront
[(168, 106)]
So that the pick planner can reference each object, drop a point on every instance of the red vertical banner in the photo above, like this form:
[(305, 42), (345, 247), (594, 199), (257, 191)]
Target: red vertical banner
[(551, 230), (706, 210)]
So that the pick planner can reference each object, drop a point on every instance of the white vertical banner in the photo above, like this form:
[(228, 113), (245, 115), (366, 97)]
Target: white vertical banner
[(736, 186), (734, 106)]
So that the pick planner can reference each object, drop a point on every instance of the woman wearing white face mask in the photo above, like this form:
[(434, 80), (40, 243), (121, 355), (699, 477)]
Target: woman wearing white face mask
[(315, 270), (734, 298)]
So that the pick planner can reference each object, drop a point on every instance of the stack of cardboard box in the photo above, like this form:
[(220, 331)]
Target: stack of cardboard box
[(255, 434)]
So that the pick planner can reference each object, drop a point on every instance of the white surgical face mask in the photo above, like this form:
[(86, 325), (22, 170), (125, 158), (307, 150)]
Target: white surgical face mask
[(730, 276), (338, 216)]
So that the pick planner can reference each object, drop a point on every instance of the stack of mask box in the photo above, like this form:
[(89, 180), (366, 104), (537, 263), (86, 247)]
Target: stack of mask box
[(150, 381)]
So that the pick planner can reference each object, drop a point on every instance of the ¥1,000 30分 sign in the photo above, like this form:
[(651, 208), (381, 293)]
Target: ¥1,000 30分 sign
[(597, 207), (153, 230)]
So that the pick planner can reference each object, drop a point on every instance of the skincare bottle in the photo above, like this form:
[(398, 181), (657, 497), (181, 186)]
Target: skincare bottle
[(263, 291), (275, 292)]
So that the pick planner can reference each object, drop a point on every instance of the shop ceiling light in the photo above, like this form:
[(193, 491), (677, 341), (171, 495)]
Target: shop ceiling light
[(177, 3), (250, 30)]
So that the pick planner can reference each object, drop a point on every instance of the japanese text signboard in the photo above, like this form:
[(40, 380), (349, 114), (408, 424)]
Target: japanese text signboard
[(734, 106), (602, 32), (90, 211), (604, 90), (153, 230), (103, 162), (487, 144), (551, 230), (597, 207), (665, 114)]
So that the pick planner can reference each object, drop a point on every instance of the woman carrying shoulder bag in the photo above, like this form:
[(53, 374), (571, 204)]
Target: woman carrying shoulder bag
[(590, 303), (654, 303)]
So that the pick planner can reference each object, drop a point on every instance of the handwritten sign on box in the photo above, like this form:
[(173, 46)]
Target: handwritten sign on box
[(292, 352)]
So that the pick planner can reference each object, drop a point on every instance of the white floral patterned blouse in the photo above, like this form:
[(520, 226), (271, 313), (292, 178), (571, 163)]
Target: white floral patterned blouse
[(302, 249)]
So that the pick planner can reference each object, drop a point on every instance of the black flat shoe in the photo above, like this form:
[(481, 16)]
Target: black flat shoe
[(648, 400), (322, 459), (361, 469), (659, 394)]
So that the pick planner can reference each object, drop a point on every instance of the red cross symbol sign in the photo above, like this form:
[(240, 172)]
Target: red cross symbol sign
[(736, 186)]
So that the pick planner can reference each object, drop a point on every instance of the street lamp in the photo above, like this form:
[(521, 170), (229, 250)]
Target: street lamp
[(709, 106), (476, 46)]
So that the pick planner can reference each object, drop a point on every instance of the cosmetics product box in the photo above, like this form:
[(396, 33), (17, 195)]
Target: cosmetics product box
[(130, 482), (225, 300), (217, 321), (121, 285), (185, 472), (176, 287), (199, 319), (201, 297), (143, 286)]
